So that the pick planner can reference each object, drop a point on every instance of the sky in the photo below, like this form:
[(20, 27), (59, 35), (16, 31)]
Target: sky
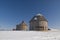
[(13, 12)]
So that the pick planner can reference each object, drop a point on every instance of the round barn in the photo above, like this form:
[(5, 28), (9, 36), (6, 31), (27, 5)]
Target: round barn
[(38, 23)]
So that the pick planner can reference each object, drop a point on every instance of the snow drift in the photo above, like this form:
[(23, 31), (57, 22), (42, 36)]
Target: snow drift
[(30, 35)]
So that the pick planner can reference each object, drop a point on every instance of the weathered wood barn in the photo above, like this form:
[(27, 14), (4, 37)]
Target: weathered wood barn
[(39, 23)]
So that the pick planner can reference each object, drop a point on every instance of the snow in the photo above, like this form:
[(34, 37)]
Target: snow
[(35, 18), (30, 35), (39, 14)]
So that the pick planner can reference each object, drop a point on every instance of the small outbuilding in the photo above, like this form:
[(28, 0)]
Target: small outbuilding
[(21, 26)]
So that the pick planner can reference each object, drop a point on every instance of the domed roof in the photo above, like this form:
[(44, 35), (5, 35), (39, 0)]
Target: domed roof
[(23, 24), (39, 17)]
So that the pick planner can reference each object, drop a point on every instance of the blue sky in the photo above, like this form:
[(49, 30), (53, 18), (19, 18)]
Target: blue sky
[(12, 12)]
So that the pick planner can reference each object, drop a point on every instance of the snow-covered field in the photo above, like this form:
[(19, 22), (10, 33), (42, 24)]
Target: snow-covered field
[(29, 35)]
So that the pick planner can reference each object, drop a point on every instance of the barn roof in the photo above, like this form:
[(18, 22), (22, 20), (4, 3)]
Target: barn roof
[(39, 17)]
